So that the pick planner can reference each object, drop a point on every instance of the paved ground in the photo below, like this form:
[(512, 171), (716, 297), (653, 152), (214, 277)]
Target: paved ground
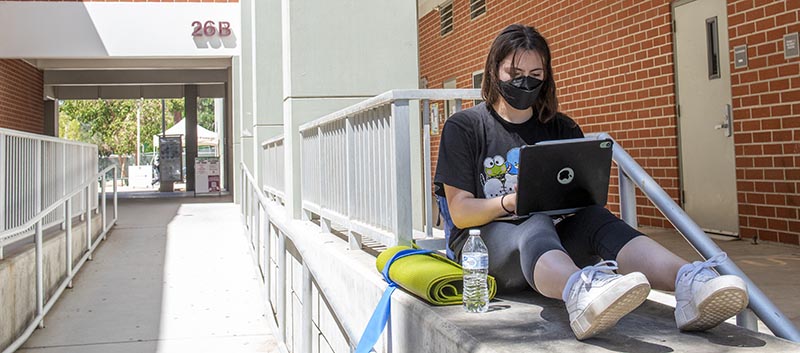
[(774, 268), (173, 276)]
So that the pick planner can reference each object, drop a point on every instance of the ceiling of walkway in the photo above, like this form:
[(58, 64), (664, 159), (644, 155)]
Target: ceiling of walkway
[(121, 78)]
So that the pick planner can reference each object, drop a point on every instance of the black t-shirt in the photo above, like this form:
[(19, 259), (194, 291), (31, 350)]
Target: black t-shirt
[(479, 152)]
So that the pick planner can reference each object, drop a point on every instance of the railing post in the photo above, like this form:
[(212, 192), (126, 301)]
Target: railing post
[(265, 228), (426, 146), (3, 195), (353, 240), (39, 274), (116, 204), (307, 316), (82, 180), (39, 248), (254, 213), (64, 179), (257, 226), (88, 215), (103, 205), (37, 181), (281, 305), (322, 193), (627, 199), (402, 227), (747, 319), (68, 240), (246, 202), (240, 187)]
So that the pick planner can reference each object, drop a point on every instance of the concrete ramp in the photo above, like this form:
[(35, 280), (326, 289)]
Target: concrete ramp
[(174, 275)]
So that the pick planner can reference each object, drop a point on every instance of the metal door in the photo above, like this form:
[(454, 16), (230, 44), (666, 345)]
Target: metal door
[(705, 119)]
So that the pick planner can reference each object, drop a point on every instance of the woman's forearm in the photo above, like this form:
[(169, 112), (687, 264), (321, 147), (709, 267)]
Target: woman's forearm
[(467, 211)]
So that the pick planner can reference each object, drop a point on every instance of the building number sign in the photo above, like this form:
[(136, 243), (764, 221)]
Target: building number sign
[(210, 28)]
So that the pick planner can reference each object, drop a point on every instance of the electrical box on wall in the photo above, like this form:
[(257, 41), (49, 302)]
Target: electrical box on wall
[(740, 57), (790, 47)]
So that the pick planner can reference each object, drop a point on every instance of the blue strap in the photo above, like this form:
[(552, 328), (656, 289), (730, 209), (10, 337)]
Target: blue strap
[(444, 211), (381, 314)]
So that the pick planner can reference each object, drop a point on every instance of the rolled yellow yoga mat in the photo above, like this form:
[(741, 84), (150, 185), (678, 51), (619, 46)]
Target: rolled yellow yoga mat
[(430, 276)]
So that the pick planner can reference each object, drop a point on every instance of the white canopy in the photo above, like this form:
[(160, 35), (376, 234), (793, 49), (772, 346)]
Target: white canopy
[(204, 136)]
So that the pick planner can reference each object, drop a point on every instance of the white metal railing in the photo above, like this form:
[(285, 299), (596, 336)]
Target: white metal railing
[(272, 167), (86, 191), (356, 165), (270, 233), (35, 171)]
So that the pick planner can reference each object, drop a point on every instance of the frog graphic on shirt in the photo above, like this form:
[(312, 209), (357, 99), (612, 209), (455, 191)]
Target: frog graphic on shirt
[(500, 174)]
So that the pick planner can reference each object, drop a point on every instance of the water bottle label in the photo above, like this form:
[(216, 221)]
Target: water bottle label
[(474, 261)]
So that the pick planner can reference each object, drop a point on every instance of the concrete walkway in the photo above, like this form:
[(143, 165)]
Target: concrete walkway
[(774, 268), (175, 275)]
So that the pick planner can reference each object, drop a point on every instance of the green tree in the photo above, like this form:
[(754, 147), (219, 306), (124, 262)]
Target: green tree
[(111, 124), (205, 111)]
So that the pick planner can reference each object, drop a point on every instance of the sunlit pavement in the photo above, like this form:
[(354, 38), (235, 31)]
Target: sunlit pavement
[(174, 275)]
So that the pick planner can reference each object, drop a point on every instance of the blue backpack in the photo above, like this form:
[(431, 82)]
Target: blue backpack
[(444, 212)]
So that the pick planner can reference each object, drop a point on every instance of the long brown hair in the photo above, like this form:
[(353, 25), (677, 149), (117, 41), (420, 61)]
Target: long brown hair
[(514, 38)]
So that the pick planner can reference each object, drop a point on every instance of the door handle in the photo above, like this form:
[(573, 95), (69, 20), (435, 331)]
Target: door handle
[(727, 123)]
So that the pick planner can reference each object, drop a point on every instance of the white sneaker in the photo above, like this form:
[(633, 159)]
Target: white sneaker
[(597, 298), (706, 299)]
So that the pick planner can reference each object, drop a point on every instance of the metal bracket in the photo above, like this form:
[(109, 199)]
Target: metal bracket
[(726, 124)]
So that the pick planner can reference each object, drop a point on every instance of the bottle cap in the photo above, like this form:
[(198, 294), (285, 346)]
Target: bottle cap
[(474, 232)]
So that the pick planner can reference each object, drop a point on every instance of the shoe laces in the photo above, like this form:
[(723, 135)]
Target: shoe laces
[(698, 268), (603, 268)]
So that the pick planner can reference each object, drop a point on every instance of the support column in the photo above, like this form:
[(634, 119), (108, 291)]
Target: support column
[(190, 97), (51, 117)]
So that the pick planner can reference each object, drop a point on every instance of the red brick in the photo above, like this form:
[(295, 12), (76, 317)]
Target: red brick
[(768, 235), (789, 238), (21, 91)]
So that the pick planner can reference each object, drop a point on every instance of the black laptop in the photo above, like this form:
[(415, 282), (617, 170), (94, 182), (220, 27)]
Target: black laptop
[(562, 176)]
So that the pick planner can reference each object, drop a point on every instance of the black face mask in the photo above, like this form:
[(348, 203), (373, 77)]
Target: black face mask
[(521, 92)]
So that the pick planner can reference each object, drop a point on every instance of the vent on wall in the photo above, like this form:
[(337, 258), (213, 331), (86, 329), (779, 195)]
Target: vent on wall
[(476, 8), (446, 17)]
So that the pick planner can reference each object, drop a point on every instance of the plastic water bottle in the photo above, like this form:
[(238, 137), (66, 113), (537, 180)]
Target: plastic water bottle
[(475, 262)]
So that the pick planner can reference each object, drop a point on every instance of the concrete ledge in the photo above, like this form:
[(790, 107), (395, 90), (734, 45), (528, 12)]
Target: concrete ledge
[(18, 275), (520, 322)]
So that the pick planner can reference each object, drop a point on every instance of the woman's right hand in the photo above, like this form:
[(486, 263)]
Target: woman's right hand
[(509, 203)]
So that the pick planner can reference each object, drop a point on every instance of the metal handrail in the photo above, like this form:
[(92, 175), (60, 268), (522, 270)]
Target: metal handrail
[(391, 96), (33, 221), (357, 164), (16, 133), (43, 308), (632, 171)]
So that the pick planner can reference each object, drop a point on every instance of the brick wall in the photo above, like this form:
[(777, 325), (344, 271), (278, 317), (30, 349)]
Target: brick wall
[(613, 69), (613, 62), (21, 97), (766, 101)]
